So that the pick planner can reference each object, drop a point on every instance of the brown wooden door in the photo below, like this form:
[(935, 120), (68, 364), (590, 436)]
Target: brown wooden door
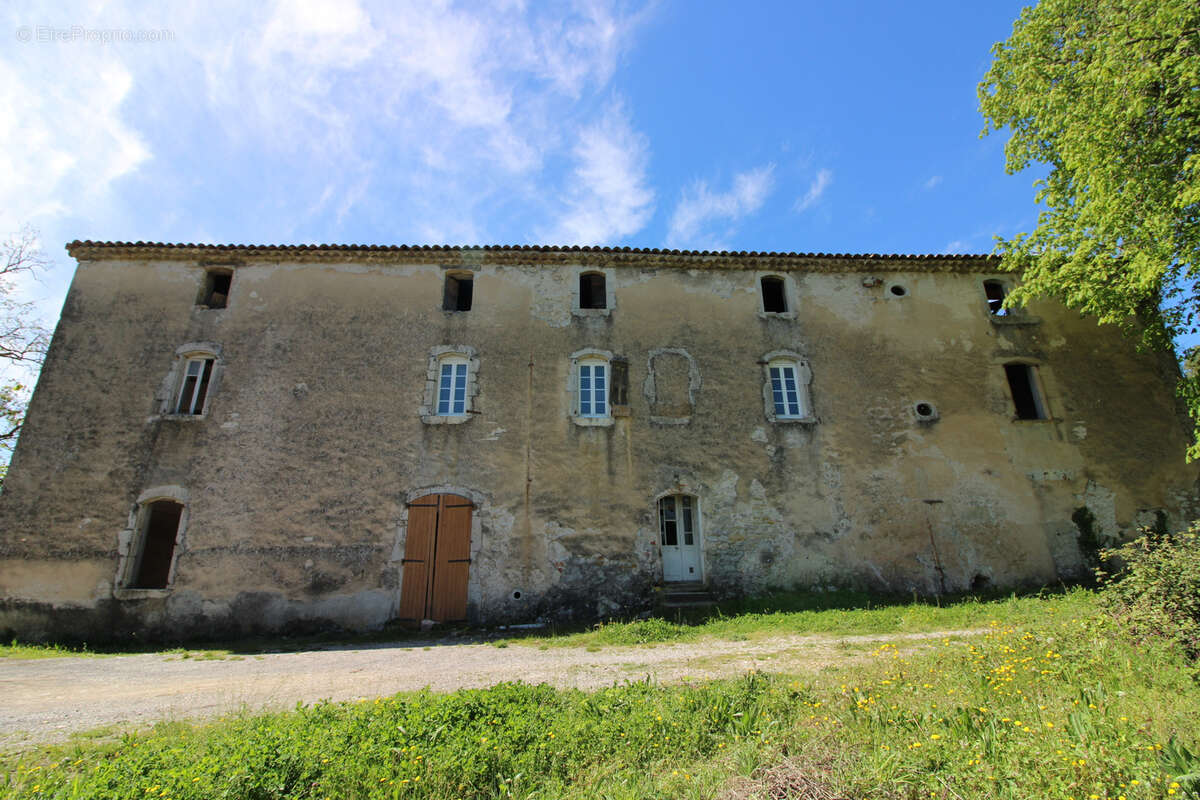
[(437, 559)]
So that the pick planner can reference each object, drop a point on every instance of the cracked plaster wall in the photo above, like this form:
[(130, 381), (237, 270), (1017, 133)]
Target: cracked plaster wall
[(298, 473)]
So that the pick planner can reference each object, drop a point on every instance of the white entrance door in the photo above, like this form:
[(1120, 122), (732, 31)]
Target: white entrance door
[(679, 537)]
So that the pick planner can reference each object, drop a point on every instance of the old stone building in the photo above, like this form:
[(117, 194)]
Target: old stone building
[(229, 439)]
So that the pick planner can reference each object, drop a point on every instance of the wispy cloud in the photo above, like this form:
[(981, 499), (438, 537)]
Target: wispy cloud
[(932, 182), (955, 247), (699, 207), (815, 190), (607, 196)]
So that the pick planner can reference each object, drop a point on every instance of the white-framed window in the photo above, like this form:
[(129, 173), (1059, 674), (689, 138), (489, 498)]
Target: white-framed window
[(593, 388), (193, 389), (787, 380), (451, 385), (191, 383), (590, 387), (785, 390)]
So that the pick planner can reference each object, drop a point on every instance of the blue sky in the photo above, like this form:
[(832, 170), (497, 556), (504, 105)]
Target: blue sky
[(832, 127)]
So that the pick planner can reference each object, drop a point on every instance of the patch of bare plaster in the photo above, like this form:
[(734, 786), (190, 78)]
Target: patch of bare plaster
[(1102, 502), (831, 476), (1079, 432), (495, 435), (672, 385), (708, 283), (553, 295), (759, 434)]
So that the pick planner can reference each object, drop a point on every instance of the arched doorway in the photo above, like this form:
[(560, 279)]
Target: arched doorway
[(437, 559)]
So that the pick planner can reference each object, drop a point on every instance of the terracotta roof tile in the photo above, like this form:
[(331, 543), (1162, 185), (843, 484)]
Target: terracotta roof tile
[(87, 250)]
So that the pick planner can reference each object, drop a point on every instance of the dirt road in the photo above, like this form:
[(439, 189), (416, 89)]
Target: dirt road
[(47, 700)]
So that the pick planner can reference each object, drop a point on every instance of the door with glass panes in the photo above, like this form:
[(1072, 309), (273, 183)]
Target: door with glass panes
[(679, 538)]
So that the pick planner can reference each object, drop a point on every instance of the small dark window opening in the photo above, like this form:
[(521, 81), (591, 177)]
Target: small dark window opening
[(216, 288), (592, 292), (153, 566), (458, 293), (197, 374), (1023, 384), (618, 387), (995, 298), (898, 290), (774, 300)]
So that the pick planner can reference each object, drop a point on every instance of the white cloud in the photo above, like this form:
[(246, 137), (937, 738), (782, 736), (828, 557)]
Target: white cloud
[(815, 190), (64, 137), (932, 182), (607, 196), (699, 206), (955, 247)]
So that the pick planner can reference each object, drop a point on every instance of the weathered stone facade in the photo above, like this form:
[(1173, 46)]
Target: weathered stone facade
[(904, 463)]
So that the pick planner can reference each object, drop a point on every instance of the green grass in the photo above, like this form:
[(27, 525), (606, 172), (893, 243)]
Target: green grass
[(841, 613), (1051, 703), (21, 650)]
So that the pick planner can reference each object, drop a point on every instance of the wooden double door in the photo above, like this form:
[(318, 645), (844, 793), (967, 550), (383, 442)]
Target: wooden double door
[(437, 559)]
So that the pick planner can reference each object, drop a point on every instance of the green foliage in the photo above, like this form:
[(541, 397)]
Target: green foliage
[(1155, 588), (1103, 93), (843, 613)]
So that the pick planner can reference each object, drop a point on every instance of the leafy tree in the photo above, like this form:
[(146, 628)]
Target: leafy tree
[(22, 341), (1106, 94)]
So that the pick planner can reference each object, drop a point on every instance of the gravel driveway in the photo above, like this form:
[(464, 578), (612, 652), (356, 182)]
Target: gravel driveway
[(46, 700)]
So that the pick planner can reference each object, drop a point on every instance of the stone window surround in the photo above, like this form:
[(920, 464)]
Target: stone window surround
[(1042, 383), (1011, 316), (129, 542), (789, 295), (437, 354), (803, 386), (694, 382), (610, 297), (168, 394), (588, 354)]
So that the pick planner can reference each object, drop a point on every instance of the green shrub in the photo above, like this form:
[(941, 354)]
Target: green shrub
[(1154, 587)]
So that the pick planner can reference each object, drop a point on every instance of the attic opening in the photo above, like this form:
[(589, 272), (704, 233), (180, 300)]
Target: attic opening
[(216, 288), (156, 549), (592, 290), (458, 292), (1022, 383), (773, 297), (995, 298)]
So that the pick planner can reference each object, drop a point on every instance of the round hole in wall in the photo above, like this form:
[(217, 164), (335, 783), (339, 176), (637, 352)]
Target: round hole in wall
[(926, 412), (516, 595), (924, 409), (898, 290)]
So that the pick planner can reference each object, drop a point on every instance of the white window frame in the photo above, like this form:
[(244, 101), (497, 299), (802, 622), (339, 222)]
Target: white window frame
[(801, 373), (591, 359), (453, 356), (192, 399), (171, 396), (593, 388), (452, 386)]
